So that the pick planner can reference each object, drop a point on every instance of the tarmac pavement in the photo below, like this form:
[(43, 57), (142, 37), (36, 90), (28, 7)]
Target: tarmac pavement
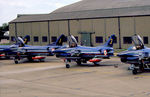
[(52, 79)]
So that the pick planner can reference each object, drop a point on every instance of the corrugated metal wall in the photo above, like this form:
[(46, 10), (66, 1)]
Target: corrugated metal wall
[(101, 27)]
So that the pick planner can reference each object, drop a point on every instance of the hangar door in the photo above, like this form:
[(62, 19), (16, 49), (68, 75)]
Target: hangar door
[(86, 39)]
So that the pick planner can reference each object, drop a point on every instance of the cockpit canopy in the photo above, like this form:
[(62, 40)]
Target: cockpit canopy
[(138, 42), (131, 48), (72, 41)]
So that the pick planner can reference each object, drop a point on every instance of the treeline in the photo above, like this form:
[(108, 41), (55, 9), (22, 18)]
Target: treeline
[(3, 29)]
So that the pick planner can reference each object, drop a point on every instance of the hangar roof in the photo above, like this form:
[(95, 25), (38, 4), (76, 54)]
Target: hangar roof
[(31, 18), (101, 4), (93, 9)]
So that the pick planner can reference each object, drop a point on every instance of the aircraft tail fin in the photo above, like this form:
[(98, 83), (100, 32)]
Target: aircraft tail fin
[(60, 40), (26, 39), (110, 41), (22, 41), (138, 42)]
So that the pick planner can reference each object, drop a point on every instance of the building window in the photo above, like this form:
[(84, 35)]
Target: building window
[(36, 39), (29, 39), (145, 40), (53, 39), (44, 39), (127, 40), (13, 38), (115, 40), (76, 37), (99, 39)]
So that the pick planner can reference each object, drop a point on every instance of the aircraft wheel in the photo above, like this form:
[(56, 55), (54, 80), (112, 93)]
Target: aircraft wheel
[(134, 71), (16, 62), (67, 66), (78, 62)]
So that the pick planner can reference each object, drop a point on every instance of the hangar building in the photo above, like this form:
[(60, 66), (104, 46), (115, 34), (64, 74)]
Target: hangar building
[(90, 21)]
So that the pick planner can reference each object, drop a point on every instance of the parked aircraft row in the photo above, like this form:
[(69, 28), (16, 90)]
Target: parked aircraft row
[(21, 50), (138, 55)]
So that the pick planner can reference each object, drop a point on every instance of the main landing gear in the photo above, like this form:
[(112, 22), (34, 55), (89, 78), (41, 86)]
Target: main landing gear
[(139, 68), (16, 60), (68, 62), (67, 66)]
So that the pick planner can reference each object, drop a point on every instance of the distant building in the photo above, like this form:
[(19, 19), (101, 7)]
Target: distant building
[(90, 21)]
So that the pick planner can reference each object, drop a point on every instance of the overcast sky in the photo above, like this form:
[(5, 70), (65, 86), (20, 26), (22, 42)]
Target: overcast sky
[(10, 8)]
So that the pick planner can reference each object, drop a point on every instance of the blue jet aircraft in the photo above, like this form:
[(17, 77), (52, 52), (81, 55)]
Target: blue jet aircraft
[(6, 50), (37, 52), (138, 56), (84, 54)]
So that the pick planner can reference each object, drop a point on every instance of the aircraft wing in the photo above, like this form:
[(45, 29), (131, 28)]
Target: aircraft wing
[(35, 51)]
